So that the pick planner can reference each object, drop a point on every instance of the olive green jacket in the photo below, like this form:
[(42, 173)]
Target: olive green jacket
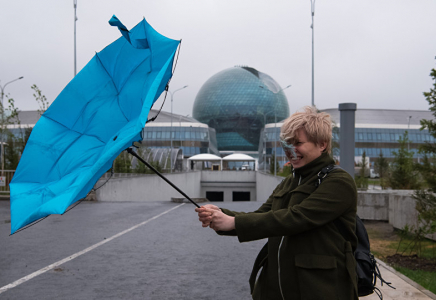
[(307, 256)]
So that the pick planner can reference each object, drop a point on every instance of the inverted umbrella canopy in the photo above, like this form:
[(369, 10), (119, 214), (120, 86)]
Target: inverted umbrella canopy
[(100, 113)]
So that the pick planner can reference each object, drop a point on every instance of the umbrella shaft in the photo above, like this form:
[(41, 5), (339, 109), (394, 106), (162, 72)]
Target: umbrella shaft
[(129, 150)]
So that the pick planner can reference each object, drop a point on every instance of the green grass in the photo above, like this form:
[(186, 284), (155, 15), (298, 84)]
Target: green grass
[(385, 243), (374, 181), (408, 246), (423, 278)]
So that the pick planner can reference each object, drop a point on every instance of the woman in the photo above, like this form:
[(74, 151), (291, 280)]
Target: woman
[(306, 257)]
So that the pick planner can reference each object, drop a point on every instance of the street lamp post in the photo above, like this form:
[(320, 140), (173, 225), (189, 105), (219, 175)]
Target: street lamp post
[(75, 19), (264, 139), (312, 2), (275, 125), (408, 131), (171, 132), (2, 90)]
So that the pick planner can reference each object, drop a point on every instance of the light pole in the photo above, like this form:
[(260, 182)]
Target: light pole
[(75, 19), (408, 131), (312, 2), (2, 88), (275, 125), (264, 138), (171, 132)]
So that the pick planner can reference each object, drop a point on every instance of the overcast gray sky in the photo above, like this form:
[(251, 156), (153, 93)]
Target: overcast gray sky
[(376, 53)]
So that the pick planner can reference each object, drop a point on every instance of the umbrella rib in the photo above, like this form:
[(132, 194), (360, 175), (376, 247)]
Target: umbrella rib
[(109, 75), (124, 83), (81, 133), (55, 164)]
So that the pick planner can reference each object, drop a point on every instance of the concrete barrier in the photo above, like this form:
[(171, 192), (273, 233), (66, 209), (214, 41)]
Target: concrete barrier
[(373, 205), (265, 184), (394, 206), (149, 187), (228, 183)]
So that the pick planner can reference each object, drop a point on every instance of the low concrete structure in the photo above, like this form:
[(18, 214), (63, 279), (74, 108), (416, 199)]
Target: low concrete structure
[(229, 183), (265, 184), (373, 205), (149, 188), (394, 206)]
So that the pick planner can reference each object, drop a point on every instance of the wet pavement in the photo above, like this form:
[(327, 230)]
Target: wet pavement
[(113, 250)]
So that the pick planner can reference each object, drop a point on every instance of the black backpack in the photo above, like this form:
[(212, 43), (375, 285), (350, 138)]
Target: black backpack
[(367, 270)]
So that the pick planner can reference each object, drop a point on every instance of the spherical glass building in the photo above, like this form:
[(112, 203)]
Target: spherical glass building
[(238, 102)]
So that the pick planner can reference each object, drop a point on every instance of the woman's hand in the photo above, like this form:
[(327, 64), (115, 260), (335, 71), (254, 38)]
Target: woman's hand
[(212, 216), (221, 221), (205, 214)]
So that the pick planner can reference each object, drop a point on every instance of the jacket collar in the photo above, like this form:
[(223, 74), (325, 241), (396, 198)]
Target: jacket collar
[(314, 166)]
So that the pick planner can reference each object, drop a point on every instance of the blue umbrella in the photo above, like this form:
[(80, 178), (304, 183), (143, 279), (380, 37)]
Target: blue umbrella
[(100, 113)]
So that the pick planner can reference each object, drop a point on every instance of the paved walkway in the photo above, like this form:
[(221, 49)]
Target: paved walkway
[(405, 288), (164, 255)]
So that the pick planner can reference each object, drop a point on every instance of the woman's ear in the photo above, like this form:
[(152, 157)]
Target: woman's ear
[(323, 146)]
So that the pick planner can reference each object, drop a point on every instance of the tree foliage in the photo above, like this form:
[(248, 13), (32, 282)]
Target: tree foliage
[(40, 99), (123, 163), (403, 174), (335, 143), (426, 198), (361, 180), (287, 170), (9, 116), (381, 167), (271, 165), (12, 153)]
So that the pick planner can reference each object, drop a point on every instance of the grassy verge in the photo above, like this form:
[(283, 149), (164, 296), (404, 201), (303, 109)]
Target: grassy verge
[(373, 181), (424, 278), (387, 242)]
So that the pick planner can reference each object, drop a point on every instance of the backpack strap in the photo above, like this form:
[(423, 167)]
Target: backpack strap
[(258, 264), (324, 172)]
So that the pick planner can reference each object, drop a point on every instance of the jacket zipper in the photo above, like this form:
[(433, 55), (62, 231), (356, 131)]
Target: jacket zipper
[(278, 257), (278, 261)]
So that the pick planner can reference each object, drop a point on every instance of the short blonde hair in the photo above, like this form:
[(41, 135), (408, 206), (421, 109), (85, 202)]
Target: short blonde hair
[(317, 126)]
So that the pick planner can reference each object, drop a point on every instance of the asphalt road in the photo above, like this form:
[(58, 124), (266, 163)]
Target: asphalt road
[(168, 257)]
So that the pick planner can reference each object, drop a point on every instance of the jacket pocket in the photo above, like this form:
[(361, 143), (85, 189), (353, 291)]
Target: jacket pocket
[(280, 194), (317, 276), (279, 199)]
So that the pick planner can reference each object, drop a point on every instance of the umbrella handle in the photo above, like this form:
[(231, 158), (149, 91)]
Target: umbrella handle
[(130, 150)]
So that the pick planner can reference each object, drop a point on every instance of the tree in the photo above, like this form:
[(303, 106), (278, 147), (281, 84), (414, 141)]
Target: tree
[(426, 198), (140, 168), (428, 168), (122, 163), (271, 165), (9, 116), (40, 99), (403, 174), (381, 167), (43, 106), (12, 153), (361, 180), (287, 170), (335, 142)]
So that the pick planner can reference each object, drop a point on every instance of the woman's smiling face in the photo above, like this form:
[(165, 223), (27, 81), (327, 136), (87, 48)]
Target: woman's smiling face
[(305, 151)]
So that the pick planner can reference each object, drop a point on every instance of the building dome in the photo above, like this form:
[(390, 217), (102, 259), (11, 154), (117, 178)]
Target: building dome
[(238, 102)]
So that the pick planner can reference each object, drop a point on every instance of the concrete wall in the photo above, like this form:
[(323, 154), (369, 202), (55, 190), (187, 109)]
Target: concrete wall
[(265, 184), (402, 210), (149, 187), (229, 182), (195, 184), (393, 206), (373, 205)]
